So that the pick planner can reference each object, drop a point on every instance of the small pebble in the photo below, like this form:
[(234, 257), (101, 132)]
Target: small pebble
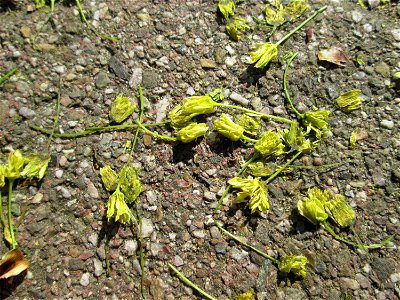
[(388, 124), (26, 112), (98, 267), (147, 227), (357, 16), (85, 279), (130, 247), (230, 61), (239, 98)]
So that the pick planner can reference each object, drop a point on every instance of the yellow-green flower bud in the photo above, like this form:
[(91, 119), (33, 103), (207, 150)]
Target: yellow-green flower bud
[(190, 107), (2, 175), (36, 167), (225, 126), (118, 209), (295, 8), (294, 264), (246, 295), (263, 54), (349, 101), (121, 109), (130, 183), (235, 26), (249, 124), (252, 192), (227, 8), (269, 144), (312, 207), (191, 132), (353, 138), (317, 119), (275, 16), (340, 211), (261, 169), (14, 165), (109, 178)]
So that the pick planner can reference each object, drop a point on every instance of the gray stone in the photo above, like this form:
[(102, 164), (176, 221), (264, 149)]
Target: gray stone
[(178, 261), (76, 92), (199, 233), (396, 34), (374, 3), (118, 68), (130, 247), (85, 279), (26, 112), (102, 80), (98, 267), (136, 78), (357, 16), (210, 196), (350, 283), (382, 68), (147, 227), (388, 124), (239, 98)]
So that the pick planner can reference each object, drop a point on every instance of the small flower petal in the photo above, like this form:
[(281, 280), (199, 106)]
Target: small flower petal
[(109, 178), (263, 54), (294, 264), (191, 132), (121, 109), (269, 144), (225, 126)]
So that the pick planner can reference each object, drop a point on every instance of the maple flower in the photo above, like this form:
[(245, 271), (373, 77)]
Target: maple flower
[(252, 192), (294, 264), (312, 207), (191, 132)]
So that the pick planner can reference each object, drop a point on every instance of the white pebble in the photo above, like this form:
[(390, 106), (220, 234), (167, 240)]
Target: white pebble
[(85, 279), (388, 124)]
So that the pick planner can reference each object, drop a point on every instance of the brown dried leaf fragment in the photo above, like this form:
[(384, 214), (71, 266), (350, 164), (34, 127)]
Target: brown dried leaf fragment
[(13, 263), (333, 55)]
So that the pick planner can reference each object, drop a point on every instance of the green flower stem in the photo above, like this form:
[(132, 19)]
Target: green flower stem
[(136, 136), (277, 172), (356, 245), (246, 138), (83, 16), (320, 10), (263, 254), (9, 73), (155, 134), (189, 283), (10, 222), (298, 114), (256, 113), (226, 191), (93, 129)]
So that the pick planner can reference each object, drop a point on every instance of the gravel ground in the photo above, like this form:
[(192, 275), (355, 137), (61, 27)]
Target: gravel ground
[(175, 49)]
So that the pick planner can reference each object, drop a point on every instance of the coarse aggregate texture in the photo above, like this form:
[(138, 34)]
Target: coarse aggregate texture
[(175, 49)]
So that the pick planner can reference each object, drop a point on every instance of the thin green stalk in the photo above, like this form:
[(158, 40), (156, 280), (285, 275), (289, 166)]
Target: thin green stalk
[(93, 129), (356, 245), (226, 191), (157, 135), (246, 138), (189, 283), (106, 250), (9, 73), (277, 172), (320, 10), (245, 244), (253, 112), (10, 222), (298, 114), (83, 16)]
